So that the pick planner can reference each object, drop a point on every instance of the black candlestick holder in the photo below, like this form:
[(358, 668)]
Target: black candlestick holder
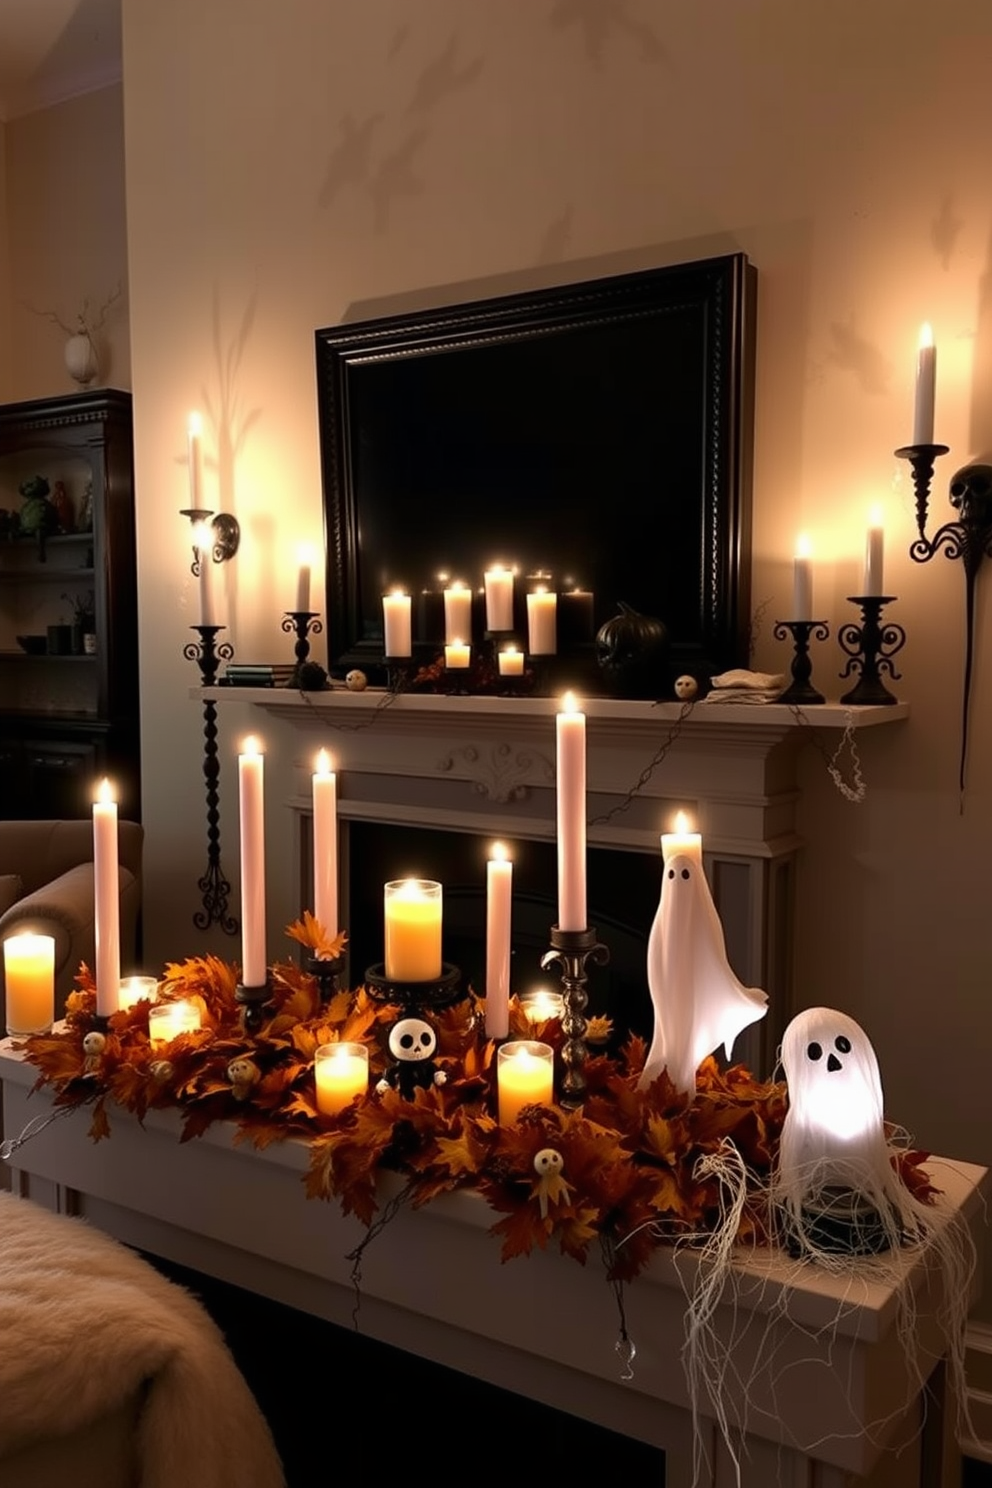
[(304, 623), (215, 891), (398, 670), (870, 647), (439, 992), (225, 535), (573, 950), (801, 691), (327, 972), (252, 1001)]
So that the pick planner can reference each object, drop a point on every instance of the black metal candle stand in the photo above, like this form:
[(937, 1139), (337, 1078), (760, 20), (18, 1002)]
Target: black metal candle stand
[(870, 647), (921, 458), (327, 972), (573, 950), (302, 623), (225, 533), (415, 997), (252, 1001), (215, 891), (398, 670), (801, 690)]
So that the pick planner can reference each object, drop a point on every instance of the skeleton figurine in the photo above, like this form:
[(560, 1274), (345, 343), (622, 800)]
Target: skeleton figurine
[(550, 1187), (412, 1043), (94, 1044)]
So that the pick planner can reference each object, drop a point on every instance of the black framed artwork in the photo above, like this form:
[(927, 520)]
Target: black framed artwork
[(598, 432)]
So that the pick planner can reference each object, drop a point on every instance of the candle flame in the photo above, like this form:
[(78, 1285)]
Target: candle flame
[(804, 547), (250, 747), (305, 554), (926, 334), (456, 586), (682, 823), (104, 793), (323, 763), (569, 703), (203, 539), (875, 514), (194, 425), (498, 853), (510, 651)]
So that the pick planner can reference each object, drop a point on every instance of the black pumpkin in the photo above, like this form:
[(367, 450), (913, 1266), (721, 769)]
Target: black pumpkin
[(631, 650)]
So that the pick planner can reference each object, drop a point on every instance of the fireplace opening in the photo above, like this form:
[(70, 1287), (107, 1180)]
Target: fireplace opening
[(623, 891)]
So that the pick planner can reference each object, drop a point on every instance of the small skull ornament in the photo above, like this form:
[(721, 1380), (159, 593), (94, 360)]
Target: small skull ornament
[(161, 1071), (94, 1044), (244, 1075), (971, 492), (686, 688), (356, 681), (412, 1043), (548, 1161), (550, 1187)]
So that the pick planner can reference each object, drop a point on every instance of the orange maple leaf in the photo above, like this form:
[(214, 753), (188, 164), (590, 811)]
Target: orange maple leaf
[(309, 932)]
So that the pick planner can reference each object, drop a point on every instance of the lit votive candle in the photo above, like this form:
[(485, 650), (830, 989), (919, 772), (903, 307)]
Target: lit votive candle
[(524, 1077), (341, 1071), (29, 967), (167, 1020), (413, 930), (457, 656), (132, 989), (510, 662), (541, 1004)]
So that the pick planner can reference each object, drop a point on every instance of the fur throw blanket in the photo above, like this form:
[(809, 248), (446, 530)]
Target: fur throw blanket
[(86, 1325)]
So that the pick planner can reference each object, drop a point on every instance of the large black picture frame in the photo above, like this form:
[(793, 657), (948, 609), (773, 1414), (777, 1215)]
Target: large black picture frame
[(602, 430)]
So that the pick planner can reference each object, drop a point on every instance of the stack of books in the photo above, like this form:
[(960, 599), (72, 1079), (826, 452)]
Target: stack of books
[(259, 674)]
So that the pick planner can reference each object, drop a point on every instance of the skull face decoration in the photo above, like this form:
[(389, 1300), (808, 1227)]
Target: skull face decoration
[(833, 1139), (550, 1187), (412, 1043)]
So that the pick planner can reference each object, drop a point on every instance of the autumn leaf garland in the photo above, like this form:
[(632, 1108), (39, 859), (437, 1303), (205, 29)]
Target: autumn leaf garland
[(626, 1164)]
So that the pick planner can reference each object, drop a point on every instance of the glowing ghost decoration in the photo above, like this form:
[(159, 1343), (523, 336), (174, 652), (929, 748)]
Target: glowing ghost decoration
[(699, 1003), (833, 1138)]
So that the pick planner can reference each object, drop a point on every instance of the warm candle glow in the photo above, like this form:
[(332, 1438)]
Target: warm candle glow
[(874, 552), (167, 1020), (457, 612), (802, 589), (106, 900), (541, 1004), (457, 656), (542, 622), (524, 1077), (926, 386), (135, 988), (304, 559), (511, 662), (397, 624), (498, 583), (325, 844), (194, 443), (251, 803), (413, 930), (29, 970), (341, 1072), (682, 840)]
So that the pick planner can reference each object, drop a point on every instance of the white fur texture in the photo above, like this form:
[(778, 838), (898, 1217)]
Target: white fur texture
[(85, 1325)]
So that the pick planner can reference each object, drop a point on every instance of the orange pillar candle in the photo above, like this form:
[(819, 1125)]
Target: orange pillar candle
[(29, 967), (524, 1077), (341, 1071), (413, 930)]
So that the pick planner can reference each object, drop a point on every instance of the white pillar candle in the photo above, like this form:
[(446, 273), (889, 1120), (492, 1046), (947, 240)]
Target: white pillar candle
[(304, 559), (457, 656), (413, 930), (204, 539), (542, 618), (524, 1077), (571, 815), (106, 900), (457, 612), (325, 845), (499, 898), (251, 800), (499, 598), (874, 550), (510, 662), (802, 581), (194, 443), (29, 973), (340, 1072), (397, 623), (682, 841), (926, 387)]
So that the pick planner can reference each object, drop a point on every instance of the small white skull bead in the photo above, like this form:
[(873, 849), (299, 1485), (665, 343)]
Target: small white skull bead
[(243, 1074), (686, 688), (94, 1043), (161, 1070), (548, 1161), (356, 681)]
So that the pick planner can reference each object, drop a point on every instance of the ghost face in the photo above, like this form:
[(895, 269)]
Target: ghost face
[(411, 1039), (548, 1162), (832, 1074), (686, 688)]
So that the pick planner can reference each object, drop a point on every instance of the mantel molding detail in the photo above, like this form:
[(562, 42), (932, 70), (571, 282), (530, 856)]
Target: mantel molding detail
[(499, 772)]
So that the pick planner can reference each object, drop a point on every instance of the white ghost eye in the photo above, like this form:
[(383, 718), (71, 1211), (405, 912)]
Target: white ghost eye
[(814, 1051)]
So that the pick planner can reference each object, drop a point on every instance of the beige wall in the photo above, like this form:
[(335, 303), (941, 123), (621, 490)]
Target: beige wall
[(5, 388), (68, 242), (316, 162)]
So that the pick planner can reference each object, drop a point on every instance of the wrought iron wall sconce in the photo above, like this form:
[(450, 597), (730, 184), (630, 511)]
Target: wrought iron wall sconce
[(968, 537), (215, 891), (225, 532)]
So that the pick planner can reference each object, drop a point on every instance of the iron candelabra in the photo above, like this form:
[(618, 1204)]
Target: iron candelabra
[(573, 950), (215, 891)]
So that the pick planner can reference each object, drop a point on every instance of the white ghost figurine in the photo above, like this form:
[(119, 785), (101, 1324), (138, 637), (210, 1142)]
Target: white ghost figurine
[(699, 1003), (833, 1136)]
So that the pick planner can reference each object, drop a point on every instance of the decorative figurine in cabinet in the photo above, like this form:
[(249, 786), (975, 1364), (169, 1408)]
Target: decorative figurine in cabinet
[(68, 605)]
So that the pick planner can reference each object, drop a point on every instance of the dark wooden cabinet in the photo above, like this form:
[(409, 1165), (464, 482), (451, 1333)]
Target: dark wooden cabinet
[(68, 607)]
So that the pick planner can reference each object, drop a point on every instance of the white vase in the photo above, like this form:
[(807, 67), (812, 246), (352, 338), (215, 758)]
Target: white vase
[(80, 358)]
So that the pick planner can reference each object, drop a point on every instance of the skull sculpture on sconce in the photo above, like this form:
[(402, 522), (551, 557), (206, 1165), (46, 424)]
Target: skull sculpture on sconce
[(971, 495)]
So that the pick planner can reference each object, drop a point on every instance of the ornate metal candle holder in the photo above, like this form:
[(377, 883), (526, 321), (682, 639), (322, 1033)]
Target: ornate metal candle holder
[(415, 997), (327, 972), (225, 531), (214, 888), (303, 623), (573, 949), (252, 1001), (870, 647), (801, 690), (969, 538)]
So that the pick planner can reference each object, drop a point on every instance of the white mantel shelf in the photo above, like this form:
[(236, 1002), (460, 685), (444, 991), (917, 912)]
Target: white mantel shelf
[(830, 1388)]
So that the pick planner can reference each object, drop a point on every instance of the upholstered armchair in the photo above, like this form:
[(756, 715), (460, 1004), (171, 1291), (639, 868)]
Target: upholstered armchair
[(46, 885)]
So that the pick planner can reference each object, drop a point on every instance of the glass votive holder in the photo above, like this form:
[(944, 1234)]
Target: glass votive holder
[(413, 930), (340, 1071), (167, 1020), (525, 1076), (541, 1004), (29, 971), (133, 988)]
